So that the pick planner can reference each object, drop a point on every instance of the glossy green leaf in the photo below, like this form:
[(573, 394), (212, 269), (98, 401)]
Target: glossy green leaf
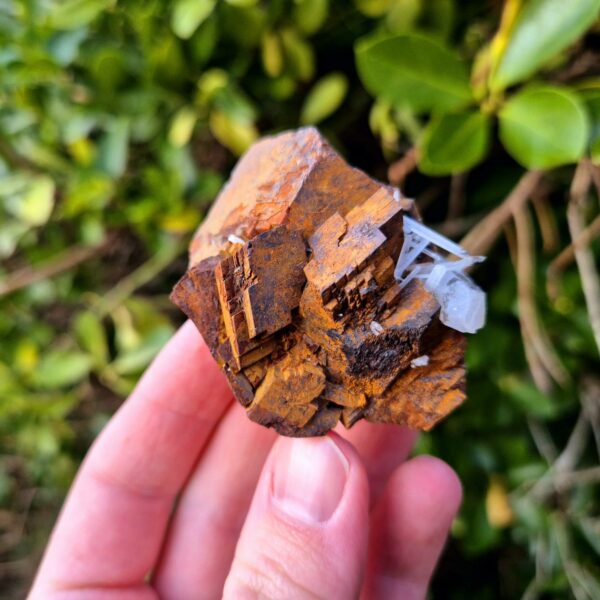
[(544, 127), (324, 98), (61, 368), (543, 29), (413, 70), (188, 15), (454, 143)]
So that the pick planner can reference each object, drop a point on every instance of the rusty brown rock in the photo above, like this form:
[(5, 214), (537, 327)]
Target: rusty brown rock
[(291, 285)]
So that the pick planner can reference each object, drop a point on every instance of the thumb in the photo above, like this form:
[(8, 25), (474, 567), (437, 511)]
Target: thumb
[(306, 533)]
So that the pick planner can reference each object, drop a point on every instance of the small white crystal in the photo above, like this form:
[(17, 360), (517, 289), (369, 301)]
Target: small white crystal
[(462, 302), (376, 327), (234, 239), (420, 361)]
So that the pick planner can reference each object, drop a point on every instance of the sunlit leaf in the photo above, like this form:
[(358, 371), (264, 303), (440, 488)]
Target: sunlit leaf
[(35, 205), (543, 127), (413, 70), (324, 98), (182, 126), (497, 507), (272, 54), (309, 15), (70, 14), (299, 55), (188, 15), (543, 29), (61, 368), (373, 8), (235, 135)]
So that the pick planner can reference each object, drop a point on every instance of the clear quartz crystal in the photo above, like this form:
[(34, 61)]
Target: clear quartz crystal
[(462, 302)]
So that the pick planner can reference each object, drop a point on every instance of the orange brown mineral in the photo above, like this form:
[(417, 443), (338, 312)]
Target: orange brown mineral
[(291, 284)]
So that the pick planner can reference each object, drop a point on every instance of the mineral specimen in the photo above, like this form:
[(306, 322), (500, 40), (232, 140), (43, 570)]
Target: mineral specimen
[(291, 283)]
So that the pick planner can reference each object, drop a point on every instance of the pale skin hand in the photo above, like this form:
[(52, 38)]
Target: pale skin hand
[(257, 516)]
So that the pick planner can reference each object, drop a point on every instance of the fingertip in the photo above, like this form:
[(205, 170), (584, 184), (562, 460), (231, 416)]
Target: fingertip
[(434, 481), (410, 527)]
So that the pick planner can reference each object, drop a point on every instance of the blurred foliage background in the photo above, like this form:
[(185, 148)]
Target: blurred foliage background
[(119, 123)]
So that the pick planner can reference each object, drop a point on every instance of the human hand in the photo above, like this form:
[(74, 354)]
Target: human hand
[(181, 496)]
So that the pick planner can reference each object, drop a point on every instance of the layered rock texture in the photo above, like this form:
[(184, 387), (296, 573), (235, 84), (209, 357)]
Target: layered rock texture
[(291, 284)]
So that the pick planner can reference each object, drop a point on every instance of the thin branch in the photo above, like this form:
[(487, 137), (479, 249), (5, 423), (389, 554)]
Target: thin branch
[(547, 222), (590, 400), (457, 226), (571, 455), (60, 263), (484, 234), (142, 275), (583, 256), (567, 255), (398, 171), (542, 440), (532, 332), (457, 198)]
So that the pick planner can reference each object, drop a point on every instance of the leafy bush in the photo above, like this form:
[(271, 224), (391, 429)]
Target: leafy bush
[(119, 122)]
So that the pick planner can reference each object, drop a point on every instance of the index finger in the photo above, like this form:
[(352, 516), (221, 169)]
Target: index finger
[(113, 522)]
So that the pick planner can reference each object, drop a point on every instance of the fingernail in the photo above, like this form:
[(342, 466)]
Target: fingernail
[(309, 478)]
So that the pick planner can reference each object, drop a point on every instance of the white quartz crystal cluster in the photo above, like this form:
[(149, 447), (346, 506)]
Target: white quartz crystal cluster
[(461, 301)]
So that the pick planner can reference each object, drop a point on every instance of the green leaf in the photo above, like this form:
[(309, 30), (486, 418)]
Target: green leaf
[(188, 15), (324, 98), (413, 70), (113, 150), (35, 205), (544, 127), (76, 13), (403, 15), (92, 337), (439, 17), (61, 368), (272, 54), (542, 29), (182, 126), (244, 25), (309, 15), (136, 360), (454, 143), (592, 102), (233, 134), (299, 55), (373, 8)]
